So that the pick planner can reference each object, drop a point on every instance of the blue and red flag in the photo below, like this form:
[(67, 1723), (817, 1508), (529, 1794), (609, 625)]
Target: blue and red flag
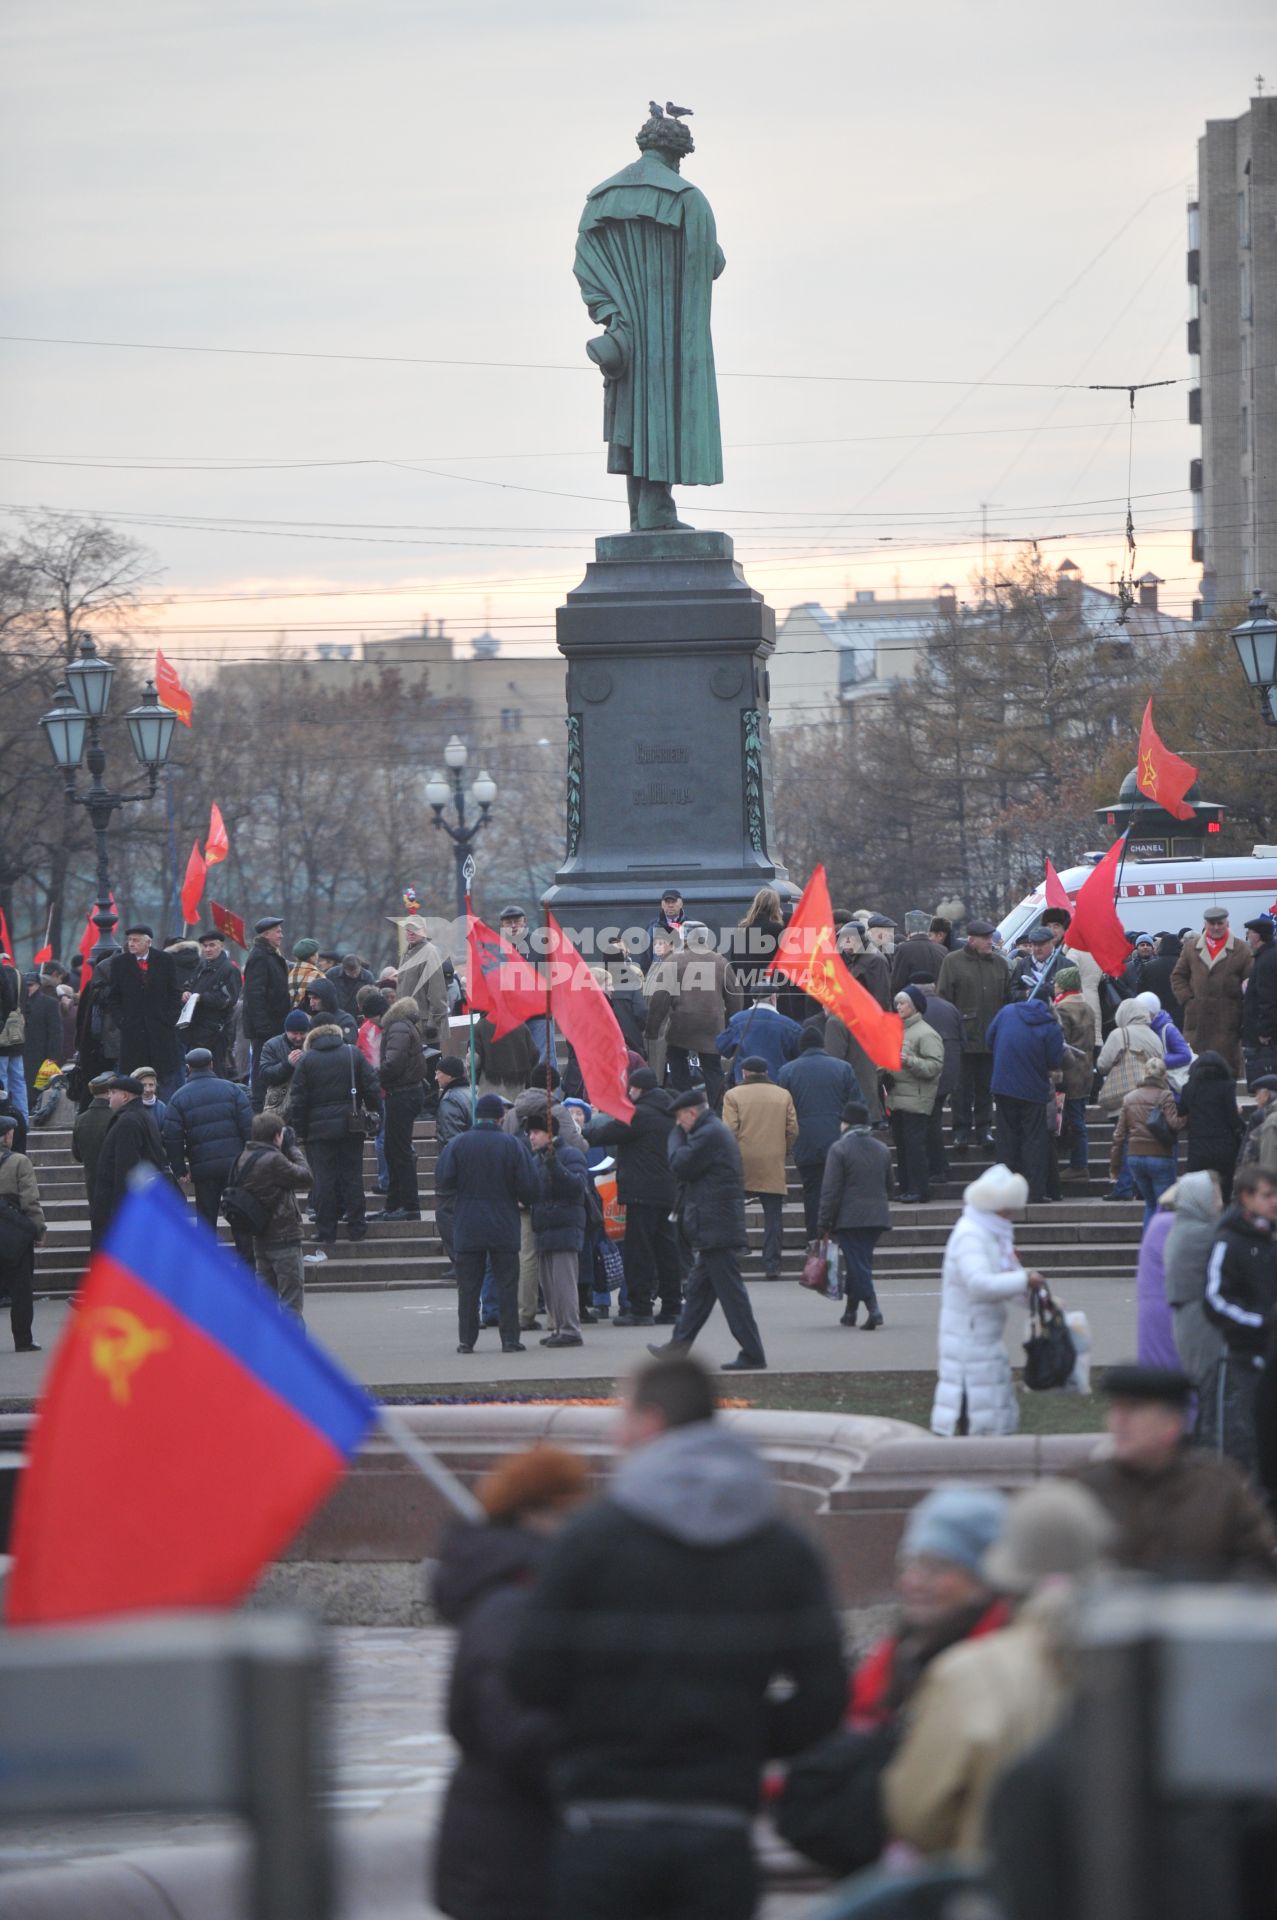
[(188, 1428)]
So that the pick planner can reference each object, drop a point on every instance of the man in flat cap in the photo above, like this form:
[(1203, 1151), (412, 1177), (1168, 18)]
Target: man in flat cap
[(421, 976), (132, 1140), (215, 986), (1181, 1512), (1209, 980), (706, 1164), (145, 1000), (267, 1002)]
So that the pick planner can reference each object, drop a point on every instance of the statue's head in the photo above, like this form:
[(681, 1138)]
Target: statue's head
[(665, 136)]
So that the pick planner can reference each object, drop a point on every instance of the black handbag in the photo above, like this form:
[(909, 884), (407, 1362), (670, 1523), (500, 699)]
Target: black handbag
[(366, 1125), (1049, 1353), (830, 1808), (247, 1212), (18, 1234), (1161, 1129)]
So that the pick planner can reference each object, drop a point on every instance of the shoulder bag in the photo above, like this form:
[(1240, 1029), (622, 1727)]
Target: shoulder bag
[(1049, 1352), (1122, 1077), (366, 1125), (245, 1210)]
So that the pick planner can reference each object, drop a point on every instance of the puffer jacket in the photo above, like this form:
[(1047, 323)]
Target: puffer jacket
[(1176, 1048), (1209, 1099), (1241, 1282), (1197, 1341), (18, 1182), (320, 1098), (403, 1058), (485, 1176), (706, 1165), (273, 1064), (1132, 1130), (452, 1115), (917, 1078), (1028, 1047), (641, 1144), (943, 1017), (979, 1279), (206, 1124), (558, 1212), (276, 1175)]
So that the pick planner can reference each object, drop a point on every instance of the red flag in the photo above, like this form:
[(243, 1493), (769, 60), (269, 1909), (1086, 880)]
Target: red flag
[(1056, 892), (89, 939), (217, 845), (499, 981), (1096, 928), (6, 945), (580, 1007), (1162, 775), (228, 923), (186, 1430), (172, 694), (45, 953), (193, 886), (809, 957)]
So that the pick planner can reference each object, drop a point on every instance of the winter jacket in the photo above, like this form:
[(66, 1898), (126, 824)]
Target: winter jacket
[(921, 1064), (218, 984), (530, 1103), (1209, 1099), (1259, 1007), (697, 1600), (918, 954), (145, 1004), (486, 1175), (1259, 1142), (558, 1212), (765, 1124), (10, 1002), (320, 1098), (1175, 1047), (1132, 1132), (494, 1837), (872, 971), (1028, 1047), (979, 1277), (131, 1140), (707, 1170), (1241, 1282), (977, 1708), (18, 1182), (87, 1135), (44, 1037), (857, 1185), (699, 1000), (1132, 1033), (421, 979), (1210, 992), (1154, 1322), (641, 1145), (97, 1037), (943, 1018), (979, 985), (403, 1058), (1198, 1341), (503, 1065), (452, 1115), (331, 1013), (346, 987), (206, 1124), (820, 1088), (1158, 973), (1193, 1519), (276, 1175), (760, 1030), (273, 1063), (267, 1001), (1077, 1024)]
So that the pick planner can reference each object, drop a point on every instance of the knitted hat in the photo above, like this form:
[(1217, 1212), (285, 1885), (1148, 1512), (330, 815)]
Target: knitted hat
[(305, 950), (810, 1038), (855, 1114), (917, 996), (374, 1005), (489, 1106), (958, 1524), (298, 1021), (1054, 1530), (1068, 980), (452, 1065), (998, 1190), (641, 1079)]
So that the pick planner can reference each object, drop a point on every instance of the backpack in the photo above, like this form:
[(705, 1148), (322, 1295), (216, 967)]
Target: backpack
[(246, 1211)]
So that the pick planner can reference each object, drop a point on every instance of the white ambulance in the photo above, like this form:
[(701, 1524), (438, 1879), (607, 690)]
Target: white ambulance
[(1161, 896)]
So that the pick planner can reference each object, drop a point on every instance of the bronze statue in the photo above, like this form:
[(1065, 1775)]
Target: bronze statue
[(647, 257)]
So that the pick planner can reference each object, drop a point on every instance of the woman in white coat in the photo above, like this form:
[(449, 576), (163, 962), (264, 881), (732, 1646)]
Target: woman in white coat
[(980, 1278)]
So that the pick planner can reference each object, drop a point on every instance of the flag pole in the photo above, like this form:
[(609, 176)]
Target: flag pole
[(454, 1491), (549, 1028), (467, 873)]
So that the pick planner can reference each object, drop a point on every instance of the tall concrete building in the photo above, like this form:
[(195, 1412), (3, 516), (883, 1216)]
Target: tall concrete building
[(1232, 272)]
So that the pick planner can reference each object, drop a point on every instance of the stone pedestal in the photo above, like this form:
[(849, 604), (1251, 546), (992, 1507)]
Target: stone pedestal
[(669, 752)]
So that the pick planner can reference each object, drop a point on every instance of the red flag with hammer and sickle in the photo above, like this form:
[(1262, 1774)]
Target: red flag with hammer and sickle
[(809, 956)]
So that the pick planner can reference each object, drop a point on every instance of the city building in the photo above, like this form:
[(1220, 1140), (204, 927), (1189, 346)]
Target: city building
[(1232, 337)]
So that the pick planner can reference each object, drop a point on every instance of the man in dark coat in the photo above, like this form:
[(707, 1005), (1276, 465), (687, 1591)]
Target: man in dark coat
[(645, 1188), (484, 1176), (820, 1088), (131, 1140), (869, 970), (205, 1128), (705, 1161), (97, 1036), (217, 982), (655, 1635), (403, 1072), (44, 1037), (855, 1208), (322, 1004), (1259, 1007), (89, 1130), (1241, 1300), (347, 978), (332, 1088), (145, 1001), (978, 982), (1158, 972), (267, 1000)]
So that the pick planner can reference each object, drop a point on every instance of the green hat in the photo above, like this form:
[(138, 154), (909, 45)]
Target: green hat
[(1068, 980), (305, 950)]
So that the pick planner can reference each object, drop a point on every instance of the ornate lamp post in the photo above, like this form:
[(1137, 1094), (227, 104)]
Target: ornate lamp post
[(439, 792), (80, 705), (1256, 643)]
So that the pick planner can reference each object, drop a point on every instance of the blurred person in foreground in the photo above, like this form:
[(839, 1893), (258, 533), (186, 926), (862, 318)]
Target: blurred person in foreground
[(682, 1634), (492, 1849)]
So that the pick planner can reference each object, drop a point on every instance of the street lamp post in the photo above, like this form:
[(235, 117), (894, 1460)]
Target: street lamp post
[(1256, 643), (80, 705), (439, 792)]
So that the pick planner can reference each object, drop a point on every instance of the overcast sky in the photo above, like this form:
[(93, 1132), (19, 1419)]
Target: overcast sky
[(945, 191)]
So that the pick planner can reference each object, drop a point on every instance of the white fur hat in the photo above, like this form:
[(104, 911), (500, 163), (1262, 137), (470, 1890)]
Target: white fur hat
[(998, 1190)]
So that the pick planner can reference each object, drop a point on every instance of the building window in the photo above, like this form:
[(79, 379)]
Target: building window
[(511, 720)]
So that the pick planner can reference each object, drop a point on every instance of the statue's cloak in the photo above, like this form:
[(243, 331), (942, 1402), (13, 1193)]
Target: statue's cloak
[(647, 256)]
